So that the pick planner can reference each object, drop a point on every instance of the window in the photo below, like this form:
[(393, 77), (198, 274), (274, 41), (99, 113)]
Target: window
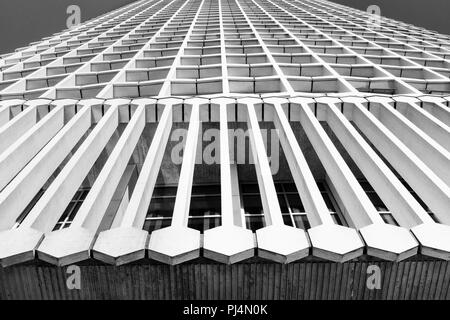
[(205, 206), (159, 214), (331, 204), (204, 209), (384, 212), (424, 206), (69, 214), (292, 209), (28, 209)]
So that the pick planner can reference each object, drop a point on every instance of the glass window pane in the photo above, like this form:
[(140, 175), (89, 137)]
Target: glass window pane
[(155, 224), (388, 218), (27, 210), (249, 188), (75, 210), (295, 203), (196, 223), (278, 187), (366, 186), (376, 201), (161, 207), (321, 186), (66, 225), (205, 206), (148, 225), (78, 194), (66, 212), (254, 222), (424, 206), (164, 191), (290, 187), (252, 204), (158, 223), (165, 223), (326, 198), (287, 219), (84, 194), (203, 224), (283, 204), (214, 222), (336, 219), (209, 189), (301, 221)]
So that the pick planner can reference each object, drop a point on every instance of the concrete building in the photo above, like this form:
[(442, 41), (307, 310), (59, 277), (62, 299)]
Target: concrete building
[(227, 149)]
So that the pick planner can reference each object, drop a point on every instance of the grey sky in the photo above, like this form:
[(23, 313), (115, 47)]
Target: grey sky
[(430, 14), (25, 21)]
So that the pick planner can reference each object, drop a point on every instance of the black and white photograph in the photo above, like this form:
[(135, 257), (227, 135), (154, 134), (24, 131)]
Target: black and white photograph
[(225, 155)]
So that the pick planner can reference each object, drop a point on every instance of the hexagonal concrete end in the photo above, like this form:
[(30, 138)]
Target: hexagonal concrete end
[(174, 245), (335, 243), (434, 239), (282, 243), (228, 244), (66, 246), (119, 246), (389, 242), (18, 245)]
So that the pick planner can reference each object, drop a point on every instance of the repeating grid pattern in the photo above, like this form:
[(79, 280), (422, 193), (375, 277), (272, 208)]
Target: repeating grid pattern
[(186, 48), (51, 149), (64, 56), (23, 54), (86, 116)]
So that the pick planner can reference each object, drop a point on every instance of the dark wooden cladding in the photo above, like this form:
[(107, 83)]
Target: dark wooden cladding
[(304, 280)]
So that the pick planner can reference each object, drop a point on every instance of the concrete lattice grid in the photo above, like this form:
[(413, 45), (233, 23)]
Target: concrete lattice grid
[(382, 89)]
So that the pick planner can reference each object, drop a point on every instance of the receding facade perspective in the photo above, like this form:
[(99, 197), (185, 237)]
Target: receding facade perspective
[(227, 149)]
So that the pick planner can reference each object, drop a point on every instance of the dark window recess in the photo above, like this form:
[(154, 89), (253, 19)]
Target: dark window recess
[(336, 219), (252, 204), (204, 223), (28, 209), (301, 222), (291, 206), (254, 222), (71, 211), (205, 205), (420, 201), (204, 208), (152, 225), (389, 218), (287, 220), (161, 207), (373, 196), (294, 203)]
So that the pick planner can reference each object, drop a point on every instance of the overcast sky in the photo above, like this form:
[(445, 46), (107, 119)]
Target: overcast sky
[(430, 14), (25, 21)]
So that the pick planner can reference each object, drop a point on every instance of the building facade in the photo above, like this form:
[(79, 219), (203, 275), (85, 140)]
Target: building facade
[(227, 149)]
